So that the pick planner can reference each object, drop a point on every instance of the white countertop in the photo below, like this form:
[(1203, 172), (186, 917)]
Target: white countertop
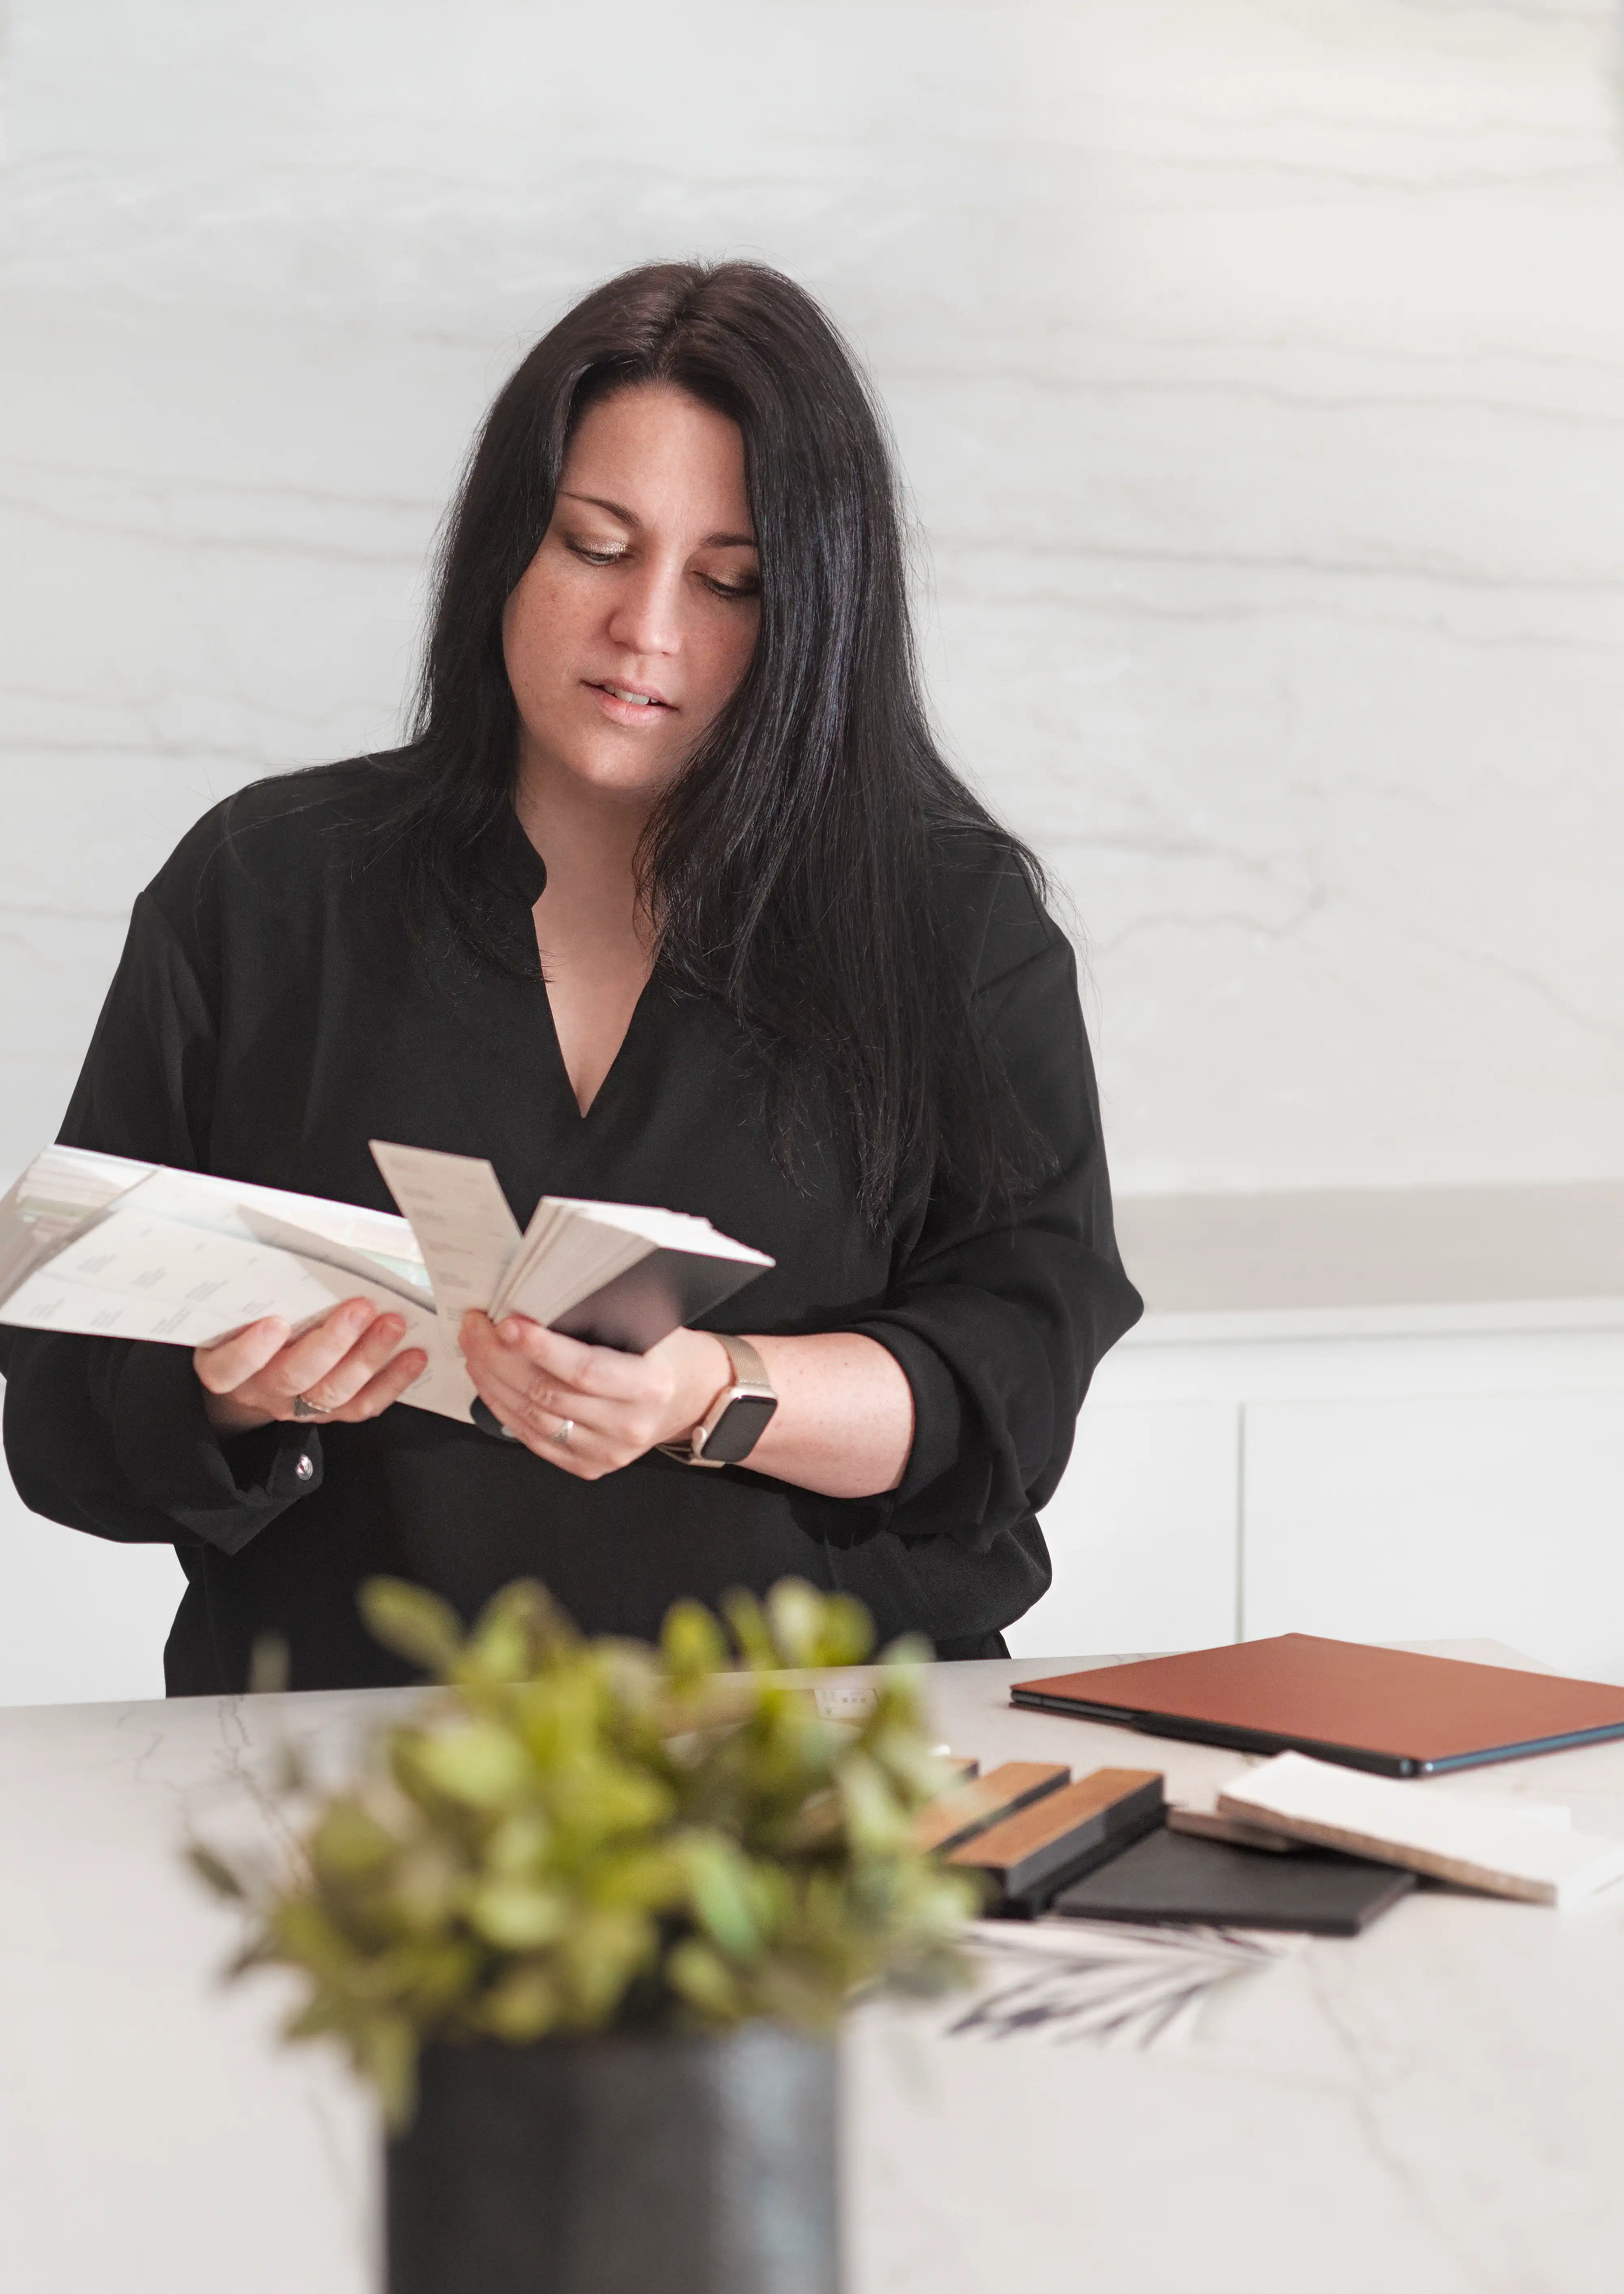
[(1433, 2108)]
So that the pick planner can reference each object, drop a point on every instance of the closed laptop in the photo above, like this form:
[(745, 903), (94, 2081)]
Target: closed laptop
[(1392, 1711)]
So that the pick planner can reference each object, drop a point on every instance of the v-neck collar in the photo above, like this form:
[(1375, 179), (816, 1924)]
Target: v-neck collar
[(510, 860), (514, 866), (624, 1054)]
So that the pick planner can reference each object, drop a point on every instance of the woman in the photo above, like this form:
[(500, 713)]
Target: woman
[(670, 900)]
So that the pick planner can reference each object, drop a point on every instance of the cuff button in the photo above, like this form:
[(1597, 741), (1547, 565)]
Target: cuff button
[(304, 1465)]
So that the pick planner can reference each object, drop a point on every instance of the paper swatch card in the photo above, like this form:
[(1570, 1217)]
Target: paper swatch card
[(104, 1246)]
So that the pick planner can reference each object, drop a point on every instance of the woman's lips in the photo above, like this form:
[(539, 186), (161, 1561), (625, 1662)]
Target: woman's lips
[(629, 704)]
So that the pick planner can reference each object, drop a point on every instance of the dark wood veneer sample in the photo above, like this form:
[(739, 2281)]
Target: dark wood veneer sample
[(966, 1809), (1055, 1837)]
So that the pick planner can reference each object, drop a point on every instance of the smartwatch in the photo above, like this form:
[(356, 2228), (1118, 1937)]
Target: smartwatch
[(731, 1427)]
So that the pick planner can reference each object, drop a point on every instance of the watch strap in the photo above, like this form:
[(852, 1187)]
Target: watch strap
[(749, 1379), (748, 1367)]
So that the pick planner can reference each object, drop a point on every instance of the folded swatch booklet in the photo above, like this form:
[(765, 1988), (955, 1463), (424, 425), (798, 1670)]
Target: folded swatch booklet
[(107, 1248)]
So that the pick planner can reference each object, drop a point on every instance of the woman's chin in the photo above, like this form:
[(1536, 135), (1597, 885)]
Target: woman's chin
[(607, 773)]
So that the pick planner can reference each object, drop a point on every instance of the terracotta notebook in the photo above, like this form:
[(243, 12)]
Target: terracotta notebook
[(1389, 1710)]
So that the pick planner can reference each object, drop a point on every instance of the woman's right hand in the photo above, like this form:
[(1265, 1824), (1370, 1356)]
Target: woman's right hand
[(346, 1367)]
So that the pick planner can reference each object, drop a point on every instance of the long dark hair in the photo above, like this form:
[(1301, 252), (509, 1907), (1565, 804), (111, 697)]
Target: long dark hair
[(800, 869)]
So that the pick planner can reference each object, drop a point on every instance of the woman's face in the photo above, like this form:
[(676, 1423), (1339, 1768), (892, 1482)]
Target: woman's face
[(636, 619)]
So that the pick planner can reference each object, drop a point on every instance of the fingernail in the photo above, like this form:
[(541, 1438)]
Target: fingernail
[(511, 1332)]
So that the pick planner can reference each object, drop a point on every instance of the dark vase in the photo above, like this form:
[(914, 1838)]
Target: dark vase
[(620, 2165)]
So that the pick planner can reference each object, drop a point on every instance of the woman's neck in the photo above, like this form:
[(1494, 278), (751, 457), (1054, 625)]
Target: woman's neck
[(594, 938), (588, 841)]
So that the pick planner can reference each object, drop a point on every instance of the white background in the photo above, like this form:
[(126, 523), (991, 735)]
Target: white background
[(1257, 366)]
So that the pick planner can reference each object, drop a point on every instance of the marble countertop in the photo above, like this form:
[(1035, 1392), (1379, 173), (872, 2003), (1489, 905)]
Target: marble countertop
[(1430, 2109)]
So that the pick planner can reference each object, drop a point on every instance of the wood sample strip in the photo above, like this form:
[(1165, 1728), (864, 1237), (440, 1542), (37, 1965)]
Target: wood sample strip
[(959, 1814), (1057, 1835)]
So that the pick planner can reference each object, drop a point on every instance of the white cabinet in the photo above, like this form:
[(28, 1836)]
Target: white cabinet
[(1403, 1476), (1411, 1475)]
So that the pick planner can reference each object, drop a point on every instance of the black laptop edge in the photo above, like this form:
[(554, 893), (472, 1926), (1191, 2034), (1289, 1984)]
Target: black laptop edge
[(1261, 1740)]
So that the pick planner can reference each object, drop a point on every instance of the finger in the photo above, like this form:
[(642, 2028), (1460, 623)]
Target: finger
[(238, 1358), (525, 1400), (347, 1377), (312, 1357), (539, 1423), (565, 1442), (389, 1385), (603, 1370)]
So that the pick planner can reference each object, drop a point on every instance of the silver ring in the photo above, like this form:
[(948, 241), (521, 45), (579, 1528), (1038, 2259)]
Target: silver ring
[(303, 1407), (563, 1431)]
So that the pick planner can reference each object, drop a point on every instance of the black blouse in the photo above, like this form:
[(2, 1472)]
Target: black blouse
[(273, 1012)]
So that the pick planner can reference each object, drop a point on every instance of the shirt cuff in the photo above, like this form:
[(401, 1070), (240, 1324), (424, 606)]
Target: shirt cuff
[(938, 1411), (225, 1492)]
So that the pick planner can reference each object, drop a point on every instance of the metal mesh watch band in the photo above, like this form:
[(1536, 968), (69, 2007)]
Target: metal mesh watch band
[(731, 1427)]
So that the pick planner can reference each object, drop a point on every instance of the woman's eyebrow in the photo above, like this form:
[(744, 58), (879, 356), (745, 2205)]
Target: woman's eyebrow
[(629, 517), (615, 509)]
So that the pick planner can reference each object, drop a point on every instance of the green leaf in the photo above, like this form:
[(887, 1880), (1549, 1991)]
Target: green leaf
[(720, 1879), (306, 1935), (518, 1844), (704, 1980), (350, 1844), (268, 1665), (415, 1624), (846, 1633), (517, 1628), (795, 1613), (692, 1642), (599, 1955), (386, 2051), (516, 1916), (601, 1798), (215, 1872), (480, 1764), (752, 1632), (876, 1821), (426, 1885), (522, 2005)]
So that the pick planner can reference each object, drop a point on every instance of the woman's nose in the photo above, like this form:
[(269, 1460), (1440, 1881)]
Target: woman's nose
[(646, 615)]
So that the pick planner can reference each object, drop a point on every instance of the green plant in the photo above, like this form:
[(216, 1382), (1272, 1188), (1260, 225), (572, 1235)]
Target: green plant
[(576, 1835)]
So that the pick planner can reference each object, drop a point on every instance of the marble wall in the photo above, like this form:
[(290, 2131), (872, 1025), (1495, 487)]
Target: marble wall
[(1257, 365)]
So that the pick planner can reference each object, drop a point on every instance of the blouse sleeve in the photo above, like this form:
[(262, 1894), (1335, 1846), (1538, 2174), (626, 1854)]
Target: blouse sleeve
[(108, 1434), (999, 1317)]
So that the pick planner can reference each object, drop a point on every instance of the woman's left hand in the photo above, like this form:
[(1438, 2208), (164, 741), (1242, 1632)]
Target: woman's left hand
[(591, 1410)]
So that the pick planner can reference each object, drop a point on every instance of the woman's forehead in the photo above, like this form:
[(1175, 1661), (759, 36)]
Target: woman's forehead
[(652, 450)]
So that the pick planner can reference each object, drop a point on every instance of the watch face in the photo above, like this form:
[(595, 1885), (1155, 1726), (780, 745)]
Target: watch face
[(738, 1430)]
